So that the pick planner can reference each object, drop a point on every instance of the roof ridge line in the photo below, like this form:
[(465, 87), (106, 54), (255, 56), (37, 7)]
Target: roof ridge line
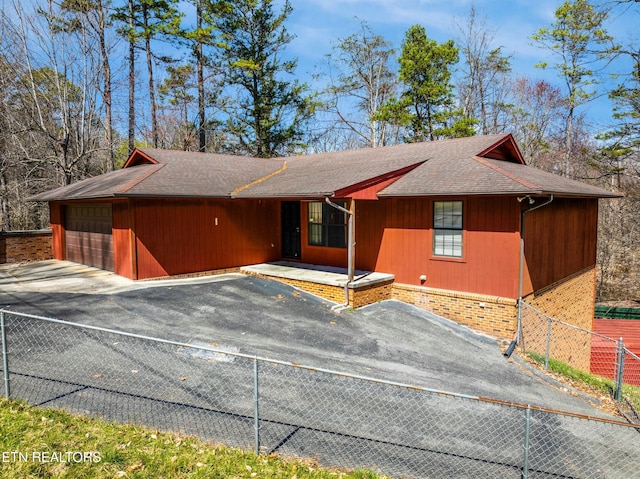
[(485, 162), (136, 181), (260, 180)]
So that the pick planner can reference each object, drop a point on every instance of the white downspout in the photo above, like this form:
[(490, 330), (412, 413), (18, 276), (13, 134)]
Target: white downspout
[(350, 247)]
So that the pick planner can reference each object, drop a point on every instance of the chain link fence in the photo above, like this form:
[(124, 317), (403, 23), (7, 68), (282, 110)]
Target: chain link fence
[(586, 351), (272, 406)]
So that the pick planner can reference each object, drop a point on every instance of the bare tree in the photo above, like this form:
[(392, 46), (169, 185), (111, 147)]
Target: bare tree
[(93, 16), (360, 82), (56, 122), (485, 79), (533, 117)]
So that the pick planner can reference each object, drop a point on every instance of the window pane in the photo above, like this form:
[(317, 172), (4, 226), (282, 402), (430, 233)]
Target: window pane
[(336, 236), (447, 228), (336, 217), (315, 234), (447, 242), (315, 212)]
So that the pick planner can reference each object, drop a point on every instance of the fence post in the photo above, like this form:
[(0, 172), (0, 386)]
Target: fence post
[(5, 356), (256, 399), (620, 372), (548, 348), (527, 431)]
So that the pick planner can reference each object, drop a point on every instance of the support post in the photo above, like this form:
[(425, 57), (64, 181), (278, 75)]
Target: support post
[(256, 400), (620, 371), (5, 356), (527, 433), (548, 345)]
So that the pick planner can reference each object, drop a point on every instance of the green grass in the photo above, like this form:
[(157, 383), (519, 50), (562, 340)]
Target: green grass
[(598, 383), (114, 450)]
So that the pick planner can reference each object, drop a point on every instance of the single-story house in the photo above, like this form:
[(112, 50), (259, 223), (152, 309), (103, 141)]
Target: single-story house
[(462, 227)]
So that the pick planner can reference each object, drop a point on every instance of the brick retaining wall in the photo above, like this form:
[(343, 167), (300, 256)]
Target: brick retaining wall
[(24, 246), (488, 314), (358, 296), (571, 300)]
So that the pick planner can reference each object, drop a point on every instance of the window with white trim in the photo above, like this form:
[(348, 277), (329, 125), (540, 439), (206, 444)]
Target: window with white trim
[(447, 228)]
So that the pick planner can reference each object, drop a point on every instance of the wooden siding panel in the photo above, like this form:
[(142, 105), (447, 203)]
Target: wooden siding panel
[(122, 240), (181, 236), (560, 240), (56, 220), (398, 235)]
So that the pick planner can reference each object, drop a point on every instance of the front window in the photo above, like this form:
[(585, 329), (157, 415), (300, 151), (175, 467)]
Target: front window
[(327, 225), (447, 228)]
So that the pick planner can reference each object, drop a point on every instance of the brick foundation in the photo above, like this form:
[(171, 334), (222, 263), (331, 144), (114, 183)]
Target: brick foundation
[(25, 246), (359, 296), (488, 314), (198, 274), (571, 301)]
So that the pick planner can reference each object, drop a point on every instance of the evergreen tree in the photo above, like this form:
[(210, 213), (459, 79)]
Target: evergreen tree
[(580, 42), (269, 109), (426, 105)]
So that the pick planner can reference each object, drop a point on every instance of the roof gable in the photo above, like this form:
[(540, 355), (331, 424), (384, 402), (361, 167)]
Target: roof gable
[(505, 149), (139, 157)]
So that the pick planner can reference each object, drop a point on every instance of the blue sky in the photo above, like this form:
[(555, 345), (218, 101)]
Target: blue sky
[(318, 24)]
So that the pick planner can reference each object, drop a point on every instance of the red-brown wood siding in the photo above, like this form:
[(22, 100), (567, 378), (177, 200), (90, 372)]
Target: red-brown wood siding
[(395, 236), (560, 240), (318, 254), (123, 243), (177, 236), (56, 220)]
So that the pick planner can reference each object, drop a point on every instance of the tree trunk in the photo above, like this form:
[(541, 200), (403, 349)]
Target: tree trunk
[(4, 204), (132, 79), (106, 71), (152, 89), (202, 136)]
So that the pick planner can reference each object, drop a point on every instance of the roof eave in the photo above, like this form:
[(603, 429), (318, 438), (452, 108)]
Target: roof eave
[(557, 194)]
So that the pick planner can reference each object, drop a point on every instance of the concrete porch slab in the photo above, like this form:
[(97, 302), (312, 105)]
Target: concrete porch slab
[(327, 275)]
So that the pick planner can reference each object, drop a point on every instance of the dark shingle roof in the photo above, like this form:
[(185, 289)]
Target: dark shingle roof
[(483, 176), (203, 174), (323, 174), (174, 173), (465, 166), (103, 186)]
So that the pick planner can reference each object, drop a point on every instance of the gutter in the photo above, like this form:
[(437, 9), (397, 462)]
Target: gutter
[(350, 245), (523, 213)]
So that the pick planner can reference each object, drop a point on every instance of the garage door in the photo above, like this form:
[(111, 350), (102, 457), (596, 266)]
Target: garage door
[(88, 238)]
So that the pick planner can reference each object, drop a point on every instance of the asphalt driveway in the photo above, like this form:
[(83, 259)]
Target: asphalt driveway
[(339, 420), (388, 340)]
